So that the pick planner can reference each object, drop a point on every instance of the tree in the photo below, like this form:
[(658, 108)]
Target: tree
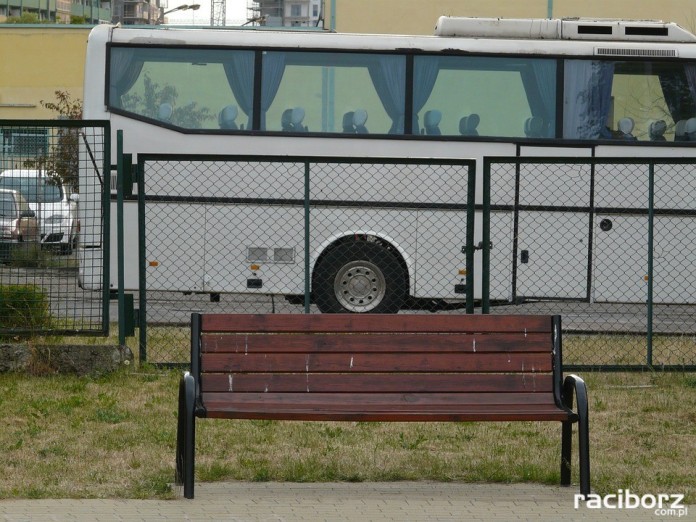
[(26, 18), (62, 161)]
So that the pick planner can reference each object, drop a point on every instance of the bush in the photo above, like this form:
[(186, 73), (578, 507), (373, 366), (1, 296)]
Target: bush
[(23, 307)]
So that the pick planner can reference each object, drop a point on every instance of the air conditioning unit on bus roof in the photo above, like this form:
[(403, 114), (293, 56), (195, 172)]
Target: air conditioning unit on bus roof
[(563, 29)]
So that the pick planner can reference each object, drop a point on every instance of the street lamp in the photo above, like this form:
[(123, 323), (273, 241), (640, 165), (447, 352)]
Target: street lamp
[(185, 7)]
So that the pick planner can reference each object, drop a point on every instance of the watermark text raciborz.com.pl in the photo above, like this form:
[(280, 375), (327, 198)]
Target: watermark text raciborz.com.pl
[(662, 505)]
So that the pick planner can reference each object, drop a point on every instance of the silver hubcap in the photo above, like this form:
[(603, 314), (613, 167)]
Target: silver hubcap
[(360, 286)]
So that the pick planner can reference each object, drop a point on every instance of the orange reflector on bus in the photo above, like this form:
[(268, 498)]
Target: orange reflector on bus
[(255, 267), (154, 263), (462, 271)]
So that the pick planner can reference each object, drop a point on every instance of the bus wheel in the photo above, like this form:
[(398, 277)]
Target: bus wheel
[(359, 277)]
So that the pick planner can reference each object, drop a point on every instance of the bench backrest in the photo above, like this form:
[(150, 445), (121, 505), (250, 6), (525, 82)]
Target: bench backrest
[(377, 354)]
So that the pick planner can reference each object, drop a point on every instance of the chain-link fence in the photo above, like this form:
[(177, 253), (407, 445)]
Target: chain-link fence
[(299, 235), (52, 197), (608, 244)]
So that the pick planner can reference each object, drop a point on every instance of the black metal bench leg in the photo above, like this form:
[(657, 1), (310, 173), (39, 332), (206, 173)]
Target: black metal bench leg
[(566, 452), (584, 443), (186, 435), (180, 434), (574, 385)]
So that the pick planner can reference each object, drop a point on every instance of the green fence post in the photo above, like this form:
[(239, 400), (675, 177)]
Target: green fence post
[(142, 262), (307, 296), (106, 228), (486, 239), (470, 220), (120, 239), (651, 222)]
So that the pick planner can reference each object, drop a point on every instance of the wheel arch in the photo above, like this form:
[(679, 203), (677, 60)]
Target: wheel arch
[(406, 260)]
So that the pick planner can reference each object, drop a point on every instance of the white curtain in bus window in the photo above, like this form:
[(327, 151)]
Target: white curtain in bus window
[(484, 96), (184, 87), (587, 99)]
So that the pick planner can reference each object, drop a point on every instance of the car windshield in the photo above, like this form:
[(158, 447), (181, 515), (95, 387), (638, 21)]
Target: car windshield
[(34, 190), (7, 205)]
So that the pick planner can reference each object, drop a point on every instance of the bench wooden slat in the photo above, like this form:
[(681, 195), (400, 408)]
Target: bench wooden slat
[(346, 323), (379, 363), (519, 405), (418, 415), (360, 342), (387, 383)]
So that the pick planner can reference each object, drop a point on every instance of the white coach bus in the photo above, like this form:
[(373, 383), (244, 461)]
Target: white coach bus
[(477, 88)]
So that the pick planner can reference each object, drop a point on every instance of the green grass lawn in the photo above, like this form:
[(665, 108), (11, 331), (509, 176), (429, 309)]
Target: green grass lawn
[(80, 437)]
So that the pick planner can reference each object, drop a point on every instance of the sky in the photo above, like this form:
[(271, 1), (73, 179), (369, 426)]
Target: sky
[(236, 11)]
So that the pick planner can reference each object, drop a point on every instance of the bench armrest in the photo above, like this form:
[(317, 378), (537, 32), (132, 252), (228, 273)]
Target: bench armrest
[(574, 386)]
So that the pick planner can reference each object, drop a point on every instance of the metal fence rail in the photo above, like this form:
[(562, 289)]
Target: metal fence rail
[(237, 234), (608, 243), (51, 174)]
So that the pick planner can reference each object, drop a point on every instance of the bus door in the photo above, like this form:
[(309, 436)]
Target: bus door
[(552, 225)]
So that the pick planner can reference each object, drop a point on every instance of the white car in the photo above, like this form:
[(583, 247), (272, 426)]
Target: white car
[(55, 207)]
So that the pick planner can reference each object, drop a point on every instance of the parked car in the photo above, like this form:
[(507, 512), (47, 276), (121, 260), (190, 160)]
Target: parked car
[(18, 223), (54, 205)]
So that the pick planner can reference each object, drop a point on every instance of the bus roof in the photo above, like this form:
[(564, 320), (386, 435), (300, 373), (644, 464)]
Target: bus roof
[(564, 29)]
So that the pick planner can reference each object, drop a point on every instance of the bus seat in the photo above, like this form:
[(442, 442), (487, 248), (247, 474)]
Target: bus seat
[(164, 113), (625, 127), (227, 116), (469, 124), (431, 121), (286, 120), (298, 114), (680, 131), (690, 129), (348, 127), (359, 120), (534, 127), (656, 130)]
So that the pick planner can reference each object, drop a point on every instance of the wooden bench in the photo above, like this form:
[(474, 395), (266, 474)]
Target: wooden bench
[(380, 368)]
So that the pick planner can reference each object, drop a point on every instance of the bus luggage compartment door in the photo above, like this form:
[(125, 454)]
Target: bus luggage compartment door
[(552, 255)]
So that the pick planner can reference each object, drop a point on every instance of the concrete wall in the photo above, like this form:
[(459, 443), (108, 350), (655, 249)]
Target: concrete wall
[(35, 61)]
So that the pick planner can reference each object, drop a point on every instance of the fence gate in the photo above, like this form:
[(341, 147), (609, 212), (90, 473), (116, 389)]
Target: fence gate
[(608, 243), (239, 234), (54, 189)]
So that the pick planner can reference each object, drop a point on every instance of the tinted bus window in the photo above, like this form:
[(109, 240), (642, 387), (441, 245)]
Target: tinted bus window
[(188, 88), (333, 92), (481, 96)]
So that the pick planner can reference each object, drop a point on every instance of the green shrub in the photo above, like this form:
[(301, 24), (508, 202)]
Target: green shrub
[(23, 307)]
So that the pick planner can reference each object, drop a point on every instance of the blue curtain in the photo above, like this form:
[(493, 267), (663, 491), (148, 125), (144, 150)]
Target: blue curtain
[(587, 99), (272, 70), (240, 75), (425, 71), (125, 70), (540, 87), (388, 75)]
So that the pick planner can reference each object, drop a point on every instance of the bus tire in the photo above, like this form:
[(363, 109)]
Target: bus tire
[(360, 277)]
